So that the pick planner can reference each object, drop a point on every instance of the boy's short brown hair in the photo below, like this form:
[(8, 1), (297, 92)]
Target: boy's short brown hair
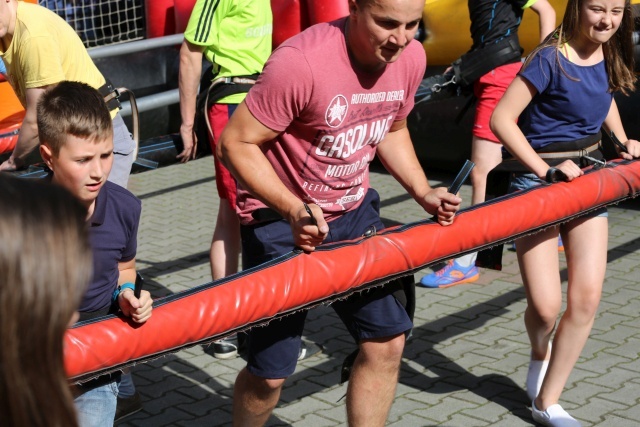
[(72, 108)]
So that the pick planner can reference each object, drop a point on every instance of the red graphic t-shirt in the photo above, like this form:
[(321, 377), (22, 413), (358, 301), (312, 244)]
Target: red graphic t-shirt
[(330, 115)]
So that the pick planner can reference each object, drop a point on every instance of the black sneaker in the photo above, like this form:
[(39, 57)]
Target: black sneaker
[(308, 349), (226, 348), (128, 406)]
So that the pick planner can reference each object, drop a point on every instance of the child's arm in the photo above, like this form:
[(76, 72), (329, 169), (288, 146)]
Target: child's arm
[(504, 126), (127, 271), (613, 123), (138, 309)]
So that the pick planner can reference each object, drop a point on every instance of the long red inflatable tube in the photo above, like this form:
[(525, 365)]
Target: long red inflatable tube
[(301, 280)]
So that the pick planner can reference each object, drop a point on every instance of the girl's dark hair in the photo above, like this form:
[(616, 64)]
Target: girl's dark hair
[(618, 50), (45, 265)]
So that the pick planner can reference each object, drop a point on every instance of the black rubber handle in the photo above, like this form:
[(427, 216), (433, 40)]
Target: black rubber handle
[(461, 177), (138, 288)]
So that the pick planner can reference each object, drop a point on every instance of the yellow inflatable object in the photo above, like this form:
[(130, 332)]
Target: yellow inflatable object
[(447, 26)]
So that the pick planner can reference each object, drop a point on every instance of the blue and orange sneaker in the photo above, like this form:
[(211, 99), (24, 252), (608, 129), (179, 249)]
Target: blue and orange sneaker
[(452, 274)]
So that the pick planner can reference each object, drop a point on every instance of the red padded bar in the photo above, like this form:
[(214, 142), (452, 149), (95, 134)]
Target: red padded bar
[(309, 278)]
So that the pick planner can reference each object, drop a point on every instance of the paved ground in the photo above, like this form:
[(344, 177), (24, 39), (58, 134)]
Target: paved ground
[(464, 366)]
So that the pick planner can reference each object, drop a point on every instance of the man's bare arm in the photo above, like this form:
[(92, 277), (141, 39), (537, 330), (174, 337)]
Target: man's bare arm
[(240, 152), (188, 82), (398, 156)]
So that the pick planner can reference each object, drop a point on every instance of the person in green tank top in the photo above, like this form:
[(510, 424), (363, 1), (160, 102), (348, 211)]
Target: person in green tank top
[(235, 37)]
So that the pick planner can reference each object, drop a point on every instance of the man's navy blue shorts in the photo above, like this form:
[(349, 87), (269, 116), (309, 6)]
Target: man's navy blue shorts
[(273, 349)]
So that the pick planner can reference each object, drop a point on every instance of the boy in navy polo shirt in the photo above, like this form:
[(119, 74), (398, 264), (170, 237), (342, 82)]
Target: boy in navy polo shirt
[(76, 143)]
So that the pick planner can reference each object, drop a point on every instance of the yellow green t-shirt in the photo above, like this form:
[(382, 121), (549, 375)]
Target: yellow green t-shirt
[(236, 35)]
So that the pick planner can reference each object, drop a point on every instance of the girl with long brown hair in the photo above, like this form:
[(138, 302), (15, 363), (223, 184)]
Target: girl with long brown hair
[(561, 98), (45, 265)]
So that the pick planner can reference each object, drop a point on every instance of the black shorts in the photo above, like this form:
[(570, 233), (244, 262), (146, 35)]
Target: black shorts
[(273, 349)]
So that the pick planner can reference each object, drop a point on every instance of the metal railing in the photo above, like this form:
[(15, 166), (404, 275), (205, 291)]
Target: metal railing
[(149, 102)]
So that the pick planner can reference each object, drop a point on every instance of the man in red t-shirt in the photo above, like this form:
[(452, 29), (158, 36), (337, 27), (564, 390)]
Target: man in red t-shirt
[(300, 145)]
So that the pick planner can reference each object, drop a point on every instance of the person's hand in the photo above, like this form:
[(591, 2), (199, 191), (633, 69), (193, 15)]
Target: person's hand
[(633, 148), (189, 142), (441, 204), (570, 169), (139, 310), (306, 234), (11, 164)]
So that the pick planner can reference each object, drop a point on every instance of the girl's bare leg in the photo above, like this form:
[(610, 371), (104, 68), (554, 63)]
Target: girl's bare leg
[(586, 250)]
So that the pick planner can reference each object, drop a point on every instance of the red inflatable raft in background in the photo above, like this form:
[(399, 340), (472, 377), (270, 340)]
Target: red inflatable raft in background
[(166, 17), (11, 116)]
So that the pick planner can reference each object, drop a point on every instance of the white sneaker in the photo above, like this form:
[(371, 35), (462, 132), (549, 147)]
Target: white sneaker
[(535, 375), (554, 416)]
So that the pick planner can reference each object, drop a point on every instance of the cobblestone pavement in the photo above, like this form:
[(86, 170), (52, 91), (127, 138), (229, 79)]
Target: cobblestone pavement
[(464, 366)]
